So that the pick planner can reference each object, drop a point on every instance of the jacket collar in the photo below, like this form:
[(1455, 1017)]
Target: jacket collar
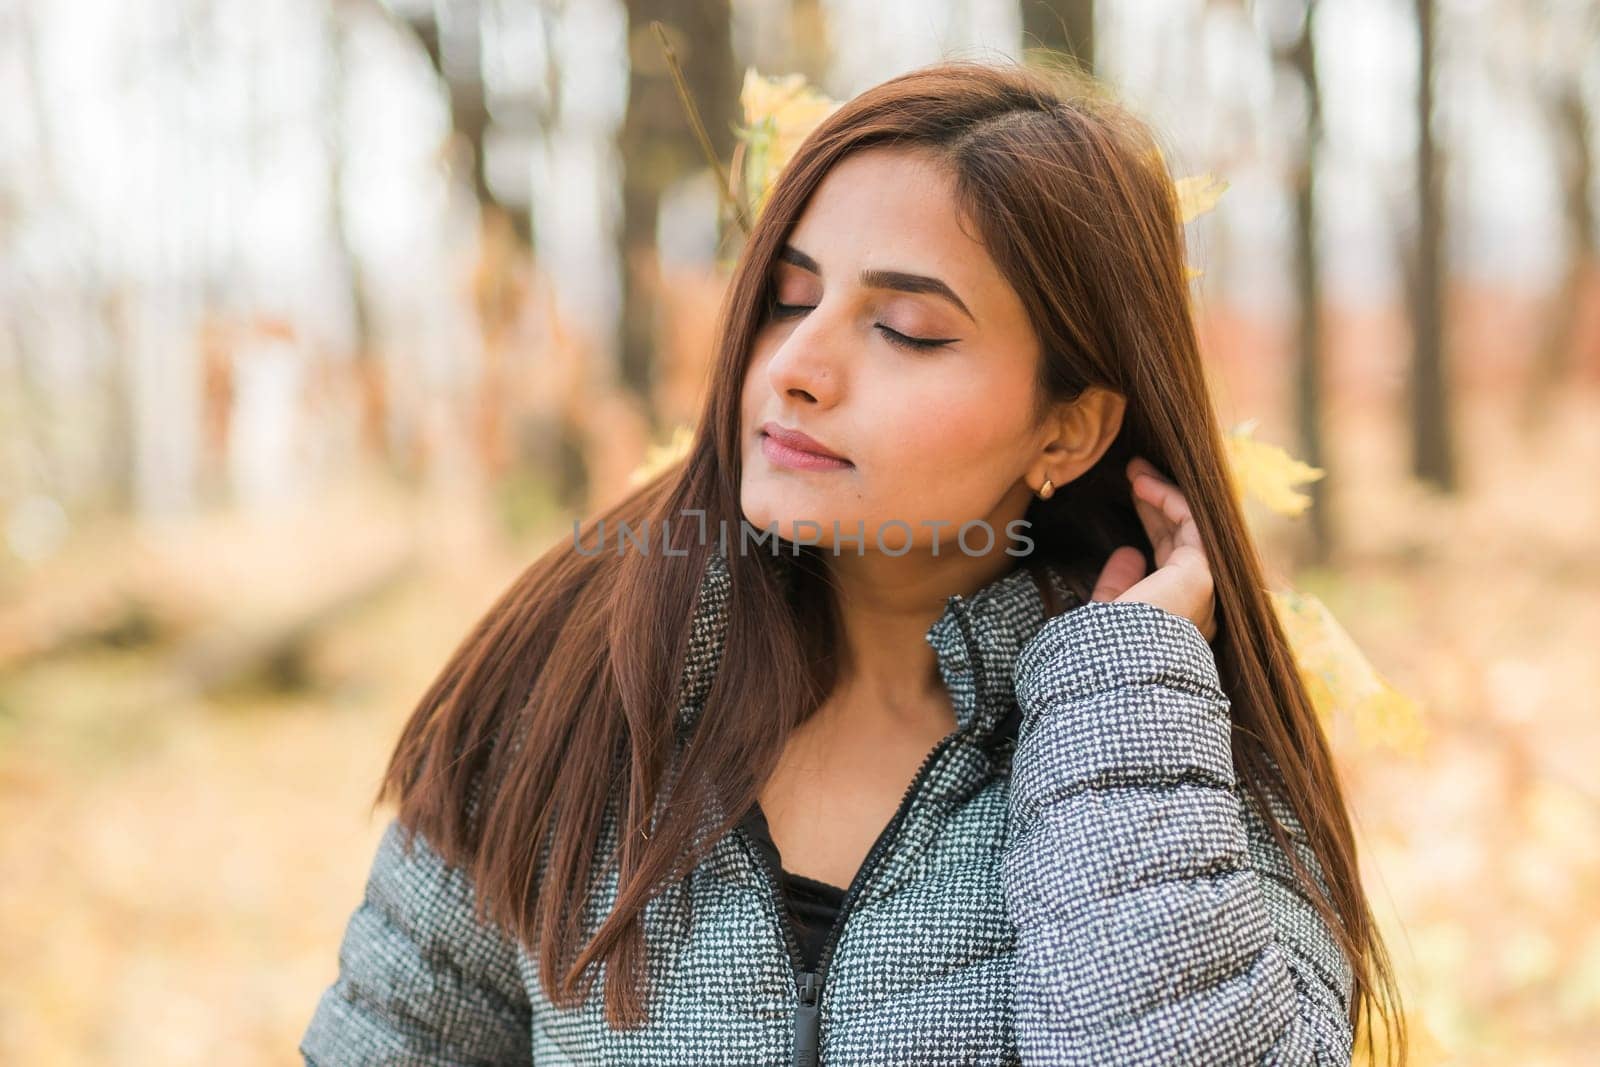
[(976, 641)]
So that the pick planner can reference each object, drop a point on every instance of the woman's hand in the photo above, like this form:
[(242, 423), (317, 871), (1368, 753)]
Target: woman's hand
[(1181, 582)]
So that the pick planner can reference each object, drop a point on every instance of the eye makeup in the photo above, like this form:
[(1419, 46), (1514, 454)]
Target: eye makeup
[(893, 336)]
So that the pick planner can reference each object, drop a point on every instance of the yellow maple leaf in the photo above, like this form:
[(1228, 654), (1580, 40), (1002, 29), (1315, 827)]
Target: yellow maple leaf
[(1267, 472), (1340, 679), (1337, 675), (658, 458), (779, 113), (1198, 194)]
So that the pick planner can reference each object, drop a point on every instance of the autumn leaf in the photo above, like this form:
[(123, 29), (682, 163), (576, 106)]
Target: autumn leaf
[(1340, 679), (1198, 194), (1268, 473), (1337, 675), (779, 113), (659, 457)]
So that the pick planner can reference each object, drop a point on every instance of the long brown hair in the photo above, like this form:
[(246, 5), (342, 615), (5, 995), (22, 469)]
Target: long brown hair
[(557, 711)]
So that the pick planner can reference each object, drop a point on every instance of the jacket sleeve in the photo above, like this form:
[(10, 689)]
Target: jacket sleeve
[(1157, 920), (422, 982)]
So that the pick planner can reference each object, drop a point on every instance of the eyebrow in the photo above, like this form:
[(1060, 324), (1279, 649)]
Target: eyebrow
[(884, 279)]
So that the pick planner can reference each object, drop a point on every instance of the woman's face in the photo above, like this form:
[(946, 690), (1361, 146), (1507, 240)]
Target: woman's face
[(897, 345)]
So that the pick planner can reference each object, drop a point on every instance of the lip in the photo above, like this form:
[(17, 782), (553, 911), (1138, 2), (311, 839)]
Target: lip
[(791, 448)]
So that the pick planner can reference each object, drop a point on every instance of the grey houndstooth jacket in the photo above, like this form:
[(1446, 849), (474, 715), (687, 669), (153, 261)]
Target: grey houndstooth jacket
[(1073, 877)]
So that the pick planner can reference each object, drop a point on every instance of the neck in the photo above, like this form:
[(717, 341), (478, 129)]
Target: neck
[(888, 670)]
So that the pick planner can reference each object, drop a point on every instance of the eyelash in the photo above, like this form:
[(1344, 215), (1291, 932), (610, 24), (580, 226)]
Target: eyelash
[(894, 337)]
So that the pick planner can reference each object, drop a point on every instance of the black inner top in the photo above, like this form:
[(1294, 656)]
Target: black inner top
[(813, 905)]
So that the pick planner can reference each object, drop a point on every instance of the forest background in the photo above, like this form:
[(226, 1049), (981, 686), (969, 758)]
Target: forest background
[(320, 318)]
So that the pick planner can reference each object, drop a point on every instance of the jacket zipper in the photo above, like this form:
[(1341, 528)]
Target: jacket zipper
[(808, 984)]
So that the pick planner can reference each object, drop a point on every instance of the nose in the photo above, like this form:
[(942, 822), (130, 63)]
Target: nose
[(809, 364)]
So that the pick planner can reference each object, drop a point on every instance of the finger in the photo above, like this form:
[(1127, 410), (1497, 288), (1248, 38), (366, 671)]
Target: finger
[(1141, 465), (1156, 525), (1122, 569), (1174, 507), (1163, 493), (1185, 531), (1176, 520)]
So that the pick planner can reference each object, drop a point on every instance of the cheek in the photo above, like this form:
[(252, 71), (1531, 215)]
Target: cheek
[(948, 424), (948, 444), (759, 489), (753, 392)]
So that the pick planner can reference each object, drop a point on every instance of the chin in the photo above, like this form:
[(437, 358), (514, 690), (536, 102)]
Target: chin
[(787, 515)]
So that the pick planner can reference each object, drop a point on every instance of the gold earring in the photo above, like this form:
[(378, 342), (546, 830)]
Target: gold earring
[(1046, 490)]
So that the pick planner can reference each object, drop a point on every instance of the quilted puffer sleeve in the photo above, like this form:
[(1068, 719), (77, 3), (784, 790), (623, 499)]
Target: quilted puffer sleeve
[(1157, 920), (421, 980)]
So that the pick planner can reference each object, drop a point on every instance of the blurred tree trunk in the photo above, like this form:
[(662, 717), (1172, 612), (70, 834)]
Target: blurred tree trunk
[(457, 58), (23, 401), (455, 49), (368, 362), (1569, 119), (1065, 26), (30, 416), (808, 28), (502, 279), (1433, 449), (1299, 54), (657, 148)]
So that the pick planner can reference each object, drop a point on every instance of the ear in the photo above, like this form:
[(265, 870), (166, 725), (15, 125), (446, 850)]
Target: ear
[(1077, 433)]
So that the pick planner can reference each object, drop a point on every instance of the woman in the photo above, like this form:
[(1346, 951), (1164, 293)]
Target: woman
[(939, 774)]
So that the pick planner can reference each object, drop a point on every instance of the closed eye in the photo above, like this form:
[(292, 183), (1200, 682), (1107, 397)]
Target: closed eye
[(787, 311)]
